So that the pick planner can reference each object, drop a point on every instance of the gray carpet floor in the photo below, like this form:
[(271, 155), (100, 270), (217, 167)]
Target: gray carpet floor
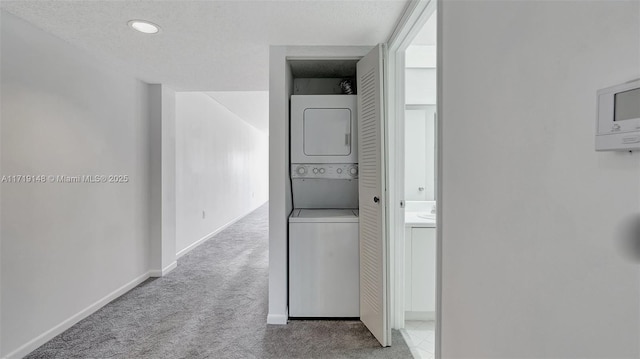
[(214, 305)]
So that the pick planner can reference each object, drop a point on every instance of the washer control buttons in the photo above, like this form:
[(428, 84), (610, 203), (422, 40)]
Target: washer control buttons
[(341, 171)]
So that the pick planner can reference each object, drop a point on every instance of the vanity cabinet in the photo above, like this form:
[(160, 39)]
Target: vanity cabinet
[(420, 273)]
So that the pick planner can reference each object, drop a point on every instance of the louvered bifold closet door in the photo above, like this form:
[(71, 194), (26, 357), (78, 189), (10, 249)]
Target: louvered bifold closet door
[(373, 286)]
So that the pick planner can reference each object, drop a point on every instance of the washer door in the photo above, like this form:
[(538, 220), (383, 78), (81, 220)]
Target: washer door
[(324, 270)]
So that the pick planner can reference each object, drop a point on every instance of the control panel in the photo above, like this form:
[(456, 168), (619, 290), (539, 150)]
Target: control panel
[(618, 117), (325, 170)]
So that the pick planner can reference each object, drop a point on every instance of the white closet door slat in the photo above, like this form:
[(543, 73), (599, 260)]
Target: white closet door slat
[(373, 286)]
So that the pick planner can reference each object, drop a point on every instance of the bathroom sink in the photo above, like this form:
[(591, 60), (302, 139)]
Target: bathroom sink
[(427, 216)]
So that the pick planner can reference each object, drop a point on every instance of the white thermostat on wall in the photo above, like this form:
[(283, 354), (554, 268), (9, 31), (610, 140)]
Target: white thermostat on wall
[(618, 122)]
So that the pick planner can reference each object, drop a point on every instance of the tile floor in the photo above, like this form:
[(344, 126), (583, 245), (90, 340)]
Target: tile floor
[(420, 337)]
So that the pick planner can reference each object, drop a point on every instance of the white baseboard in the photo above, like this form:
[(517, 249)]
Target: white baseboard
[(68, 323), (279, 319), (169, 268), (164, 271), (193, 245)]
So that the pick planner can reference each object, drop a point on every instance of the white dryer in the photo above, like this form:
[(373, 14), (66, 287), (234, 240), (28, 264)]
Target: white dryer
[(324, 265), (323, 129)]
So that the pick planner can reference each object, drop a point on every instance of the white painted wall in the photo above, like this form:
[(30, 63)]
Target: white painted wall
[(280, 201), (222, 168), (420, 86), (67, 246), (531, 264), (162, 177), (422, 56), (168, 176), (1, 317)]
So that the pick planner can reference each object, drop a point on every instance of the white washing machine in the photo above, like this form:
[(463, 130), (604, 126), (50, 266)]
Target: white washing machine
[(333, 185), (324, 263)]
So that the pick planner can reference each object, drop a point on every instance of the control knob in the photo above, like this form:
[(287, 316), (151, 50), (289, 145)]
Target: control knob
[(315, 170), (353, 171), (301, 170), (321, 170)]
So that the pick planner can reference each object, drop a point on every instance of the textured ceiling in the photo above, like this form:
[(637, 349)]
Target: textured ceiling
[(209, 45)]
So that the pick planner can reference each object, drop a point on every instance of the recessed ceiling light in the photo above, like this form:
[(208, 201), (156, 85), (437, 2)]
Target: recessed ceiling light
[(144, 26)]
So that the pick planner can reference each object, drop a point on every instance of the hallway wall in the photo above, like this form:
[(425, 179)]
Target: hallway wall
[(222, 167), (533, 264), (67, 246)]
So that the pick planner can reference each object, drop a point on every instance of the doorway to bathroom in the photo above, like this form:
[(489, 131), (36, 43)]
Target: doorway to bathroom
[(413, 180)]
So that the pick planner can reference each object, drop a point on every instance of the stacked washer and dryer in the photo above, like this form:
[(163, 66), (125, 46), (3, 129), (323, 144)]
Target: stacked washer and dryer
[(323, 227)]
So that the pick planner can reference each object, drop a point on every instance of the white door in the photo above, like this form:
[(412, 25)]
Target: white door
[(373, 252)]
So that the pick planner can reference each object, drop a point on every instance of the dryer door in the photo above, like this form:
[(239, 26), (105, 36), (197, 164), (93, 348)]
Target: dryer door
[(323, 129), (327, 131)]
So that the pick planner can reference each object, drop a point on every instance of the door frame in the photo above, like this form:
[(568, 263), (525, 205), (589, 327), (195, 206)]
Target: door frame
[(416, 15)]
